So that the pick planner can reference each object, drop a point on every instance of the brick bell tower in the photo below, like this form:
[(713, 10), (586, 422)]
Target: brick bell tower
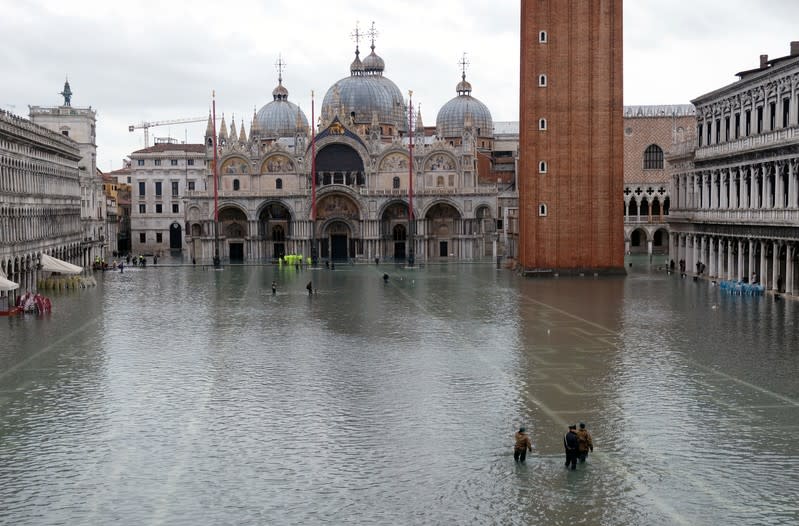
[(571, 152)]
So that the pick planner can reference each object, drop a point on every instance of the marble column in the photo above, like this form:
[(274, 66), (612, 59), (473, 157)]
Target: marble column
[(775, 271), (779, 187), (789, 269), (763, 271), (730, 261), (741, 269), (751, 268)]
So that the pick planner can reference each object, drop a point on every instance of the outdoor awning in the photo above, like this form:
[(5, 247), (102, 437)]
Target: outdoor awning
[(51, 264), (6, 285)]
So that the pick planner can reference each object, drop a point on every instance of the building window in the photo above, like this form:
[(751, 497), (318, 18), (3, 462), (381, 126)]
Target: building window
[(542, 167), (142, 237), (699, 133), (542, 210), (173, 162), (190, 162), (236, 185), (157, 162), (786, 112), (760, 119), (542, 37), (279, 184), (158, 188), (140, 162), (191, 186), (395, 183), (748, 128), (718, 131), (737, 125), (174, 188), (653, 157), (159, 237), (772, 116), (726, 128), (542, 124), (175, 208), (542, 81), (65, 132), (159, 208), (141, 188)]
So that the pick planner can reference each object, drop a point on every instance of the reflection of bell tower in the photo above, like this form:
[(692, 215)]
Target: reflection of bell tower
[(571, 119)]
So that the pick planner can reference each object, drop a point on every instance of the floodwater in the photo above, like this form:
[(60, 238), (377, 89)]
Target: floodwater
[(187, 396)]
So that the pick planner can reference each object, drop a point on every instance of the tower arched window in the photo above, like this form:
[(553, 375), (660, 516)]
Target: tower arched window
[(542, 167), (542, 124), (542, 37), (395, 183), (542, 81), (279, 184), (236, 185), (653, 157), (542, 210)]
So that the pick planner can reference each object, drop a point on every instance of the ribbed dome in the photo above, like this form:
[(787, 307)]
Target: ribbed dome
[(451, 117), (363, 94), (373, 64), (279, 117)]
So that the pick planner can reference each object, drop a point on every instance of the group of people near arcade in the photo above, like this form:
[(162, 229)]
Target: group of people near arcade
[(577, 444)]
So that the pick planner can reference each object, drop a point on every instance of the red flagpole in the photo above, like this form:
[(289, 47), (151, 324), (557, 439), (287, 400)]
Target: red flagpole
[(313, 161), (410, 177), (216, 189)]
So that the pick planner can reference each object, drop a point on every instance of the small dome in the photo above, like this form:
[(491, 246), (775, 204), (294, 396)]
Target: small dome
[(452, 116), (373, 63), (280, 93), (356, 68)]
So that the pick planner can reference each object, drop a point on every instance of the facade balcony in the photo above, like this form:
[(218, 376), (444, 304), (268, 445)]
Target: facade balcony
[(763, 141), (646, 220), (762, 216)]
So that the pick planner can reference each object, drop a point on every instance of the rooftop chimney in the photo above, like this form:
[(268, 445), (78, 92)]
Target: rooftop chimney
[(794, 48), (763, 61)]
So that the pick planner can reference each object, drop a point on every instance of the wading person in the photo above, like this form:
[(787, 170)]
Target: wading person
[(274, 288), (522, 446), (571, 443), (584, 443), (309, 286)]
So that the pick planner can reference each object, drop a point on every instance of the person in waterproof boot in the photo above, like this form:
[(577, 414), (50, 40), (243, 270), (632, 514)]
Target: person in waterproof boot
[(571, 443), (523, 445), (585, 443)]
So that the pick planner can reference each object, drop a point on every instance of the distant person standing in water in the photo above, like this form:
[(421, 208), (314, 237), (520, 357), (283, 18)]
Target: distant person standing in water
[(309, 286), (274, 288), (522, 446)]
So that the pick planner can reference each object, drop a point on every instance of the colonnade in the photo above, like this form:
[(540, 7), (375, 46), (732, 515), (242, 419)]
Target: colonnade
[(771, 262)]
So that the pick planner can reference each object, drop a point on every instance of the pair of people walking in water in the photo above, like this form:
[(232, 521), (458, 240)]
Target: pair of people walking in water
[(576, 443)]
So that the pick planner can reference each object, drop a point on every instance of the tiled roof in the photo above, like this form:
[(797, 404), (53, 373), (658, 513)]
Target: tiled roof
[(166, 147)]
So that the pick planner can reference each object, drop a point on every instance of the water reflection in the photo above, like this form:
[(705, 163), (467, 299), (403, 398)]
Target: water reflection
[(177, 395)]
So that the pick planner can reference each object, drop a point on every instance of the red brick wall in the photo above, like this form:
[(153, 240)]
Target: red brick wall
[(583, 144)]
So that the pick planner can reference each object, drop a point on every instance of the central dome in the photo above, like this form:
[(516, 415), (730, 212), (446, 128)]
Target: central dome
[(364, 92)]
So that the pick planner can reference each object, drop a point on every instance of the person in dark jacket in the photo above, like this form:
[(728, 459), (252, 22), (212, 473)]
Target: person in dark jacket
[(522, 446), (585, 443), (571, 443)]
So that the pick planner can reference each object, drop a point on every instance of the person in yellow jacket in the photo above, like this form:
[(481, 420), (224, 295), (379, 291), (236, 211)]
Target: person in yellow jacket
[(522, 446), (584, 442)]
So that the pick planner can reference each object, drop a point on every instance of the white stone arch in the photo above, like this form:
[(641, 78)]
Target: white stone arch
[(429, 159), (225, 162), (442, 200), (293, 215)]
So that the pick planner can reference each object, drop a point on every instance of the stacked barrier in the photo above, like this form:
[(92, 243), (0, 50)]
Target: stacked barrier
[(739, 288)]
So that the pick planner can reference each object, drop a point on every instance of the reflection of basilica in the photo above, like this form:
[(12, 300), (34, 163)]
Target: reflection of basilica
[(362, 178)]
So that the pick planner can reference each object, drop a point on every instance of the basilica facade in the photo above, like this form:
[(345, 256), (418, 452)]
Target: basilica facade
[(369, 180)]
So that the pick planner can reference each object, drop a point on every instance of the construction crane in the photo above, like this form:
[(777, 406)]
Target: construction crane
[(147, 125)]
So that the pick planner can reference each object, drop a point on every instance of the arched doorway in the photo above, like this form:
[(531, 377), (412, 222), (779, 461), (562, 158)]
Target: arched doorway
[(175, 237), (394, 229), (442, 220), (338, 212), (274, 224), (233, 227), (638, 241)]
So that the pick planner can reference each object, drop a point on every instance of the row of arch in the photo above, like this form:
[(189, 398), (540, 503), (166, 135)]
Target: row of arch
[(24, 268), (32, 224)]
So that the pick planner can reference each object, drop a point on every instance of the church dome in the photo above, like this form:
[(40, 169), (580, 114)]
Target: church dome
[(451, 117), (279, 118), (366, 91)]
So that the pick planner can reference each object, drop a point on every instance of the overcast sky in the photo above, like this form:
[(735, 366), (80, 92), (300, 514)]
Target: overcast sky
[(150, 60)]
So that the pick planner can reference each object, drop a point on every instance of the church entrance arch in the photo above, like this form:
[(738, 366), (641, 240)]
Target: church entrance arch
[(233, 228), (339, 164), (274, 224), (394, 229), (338, 213), (443, 221)]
